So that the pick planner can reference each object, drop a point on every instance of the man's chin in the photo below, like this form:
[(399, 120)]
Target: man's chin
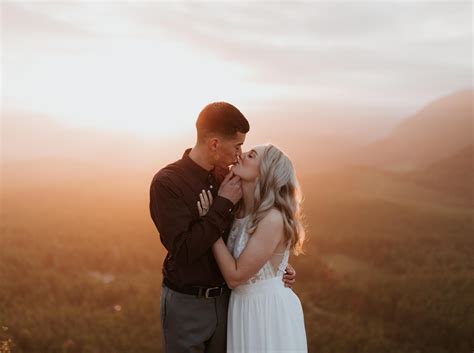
[(223, 169), (231, 165)]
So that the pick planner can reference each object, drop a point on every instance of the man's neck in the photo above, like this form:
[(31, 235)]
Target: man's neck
[(199, 156)]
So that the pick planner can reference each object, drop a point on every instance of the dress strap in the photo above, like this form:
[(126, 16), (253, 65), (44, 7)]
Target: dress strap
[(284, 260)]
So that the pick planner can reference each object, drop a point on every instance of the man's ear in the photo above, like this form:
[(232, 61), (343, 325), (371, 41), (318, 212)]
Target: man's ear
[(212, 143)]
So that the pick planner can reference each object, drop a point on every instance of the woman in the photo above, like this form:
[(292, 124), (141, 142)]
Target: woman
[(264, 316)]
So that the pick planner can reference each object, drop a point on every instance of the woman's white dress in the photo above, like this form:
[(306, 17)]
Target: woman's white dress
[(264, 316)]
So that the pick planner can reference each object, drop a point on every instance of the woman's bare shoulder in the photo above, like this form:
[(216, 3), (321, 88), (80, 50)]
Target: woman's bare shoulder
[(274, 216), (272, 221)]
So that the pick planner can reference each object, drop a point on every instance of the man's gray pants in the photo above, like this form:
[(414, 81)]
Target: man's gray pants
[(191, 324)]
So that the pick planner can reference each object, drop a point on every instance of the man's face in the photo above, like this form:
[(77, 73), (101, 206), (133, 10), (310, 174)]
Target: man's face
[(229, 150)]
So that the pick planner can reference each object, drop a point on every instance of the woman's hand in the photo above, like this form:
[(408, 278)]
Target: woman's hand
[(205, 202)]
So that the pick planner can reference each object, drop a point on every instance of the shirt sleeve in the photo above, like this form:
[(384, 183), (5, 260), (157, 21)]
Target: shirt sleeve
[(185, 237)]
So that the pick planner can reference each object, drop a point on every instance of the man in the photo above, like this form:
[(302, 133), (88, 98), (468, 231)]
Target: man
[(194, 297)]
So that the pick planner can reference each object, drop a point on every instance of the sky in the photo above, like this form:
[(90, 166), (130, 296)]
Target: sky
[(147, 68)]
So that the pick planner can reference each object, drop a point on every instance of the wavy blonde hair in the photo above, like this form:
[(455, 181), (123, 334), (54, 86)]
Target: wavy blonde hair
[(277, 187)]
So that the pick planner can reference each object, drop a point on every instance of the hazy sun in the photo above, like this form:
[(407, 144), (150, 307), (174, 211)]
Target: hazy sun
[(146, 87)]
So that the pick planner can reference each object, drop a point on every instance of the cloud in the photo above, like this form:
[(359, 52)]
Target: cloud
[(19, 21), (400, 54), (368, 46)]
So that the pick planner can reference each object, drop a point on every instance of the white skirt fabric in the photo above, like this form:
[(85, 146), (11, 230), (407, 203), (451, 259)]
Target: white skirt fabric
[(265, 317)]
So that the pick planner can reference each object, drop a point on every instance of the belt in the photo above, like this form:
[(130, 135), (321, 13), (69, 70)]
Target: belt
[(200, 292)]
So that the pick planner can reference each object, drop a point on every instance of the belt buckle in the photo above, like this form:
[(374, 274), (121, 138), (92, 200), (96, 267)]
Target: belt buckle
[(206, 294)]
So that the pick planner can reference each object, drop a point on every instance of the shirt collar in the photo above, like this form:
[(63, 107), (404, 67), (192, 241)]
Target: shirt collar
[(199, 171)]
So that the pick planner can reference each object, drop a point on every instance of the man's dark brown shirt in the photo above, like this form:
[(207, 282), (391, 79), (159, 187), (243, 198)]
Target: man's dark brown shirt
[(174, 193)]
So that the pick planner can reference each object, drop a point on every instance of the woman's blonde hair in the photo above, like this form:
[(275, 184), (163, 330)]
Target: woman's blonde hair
[(277, 187)]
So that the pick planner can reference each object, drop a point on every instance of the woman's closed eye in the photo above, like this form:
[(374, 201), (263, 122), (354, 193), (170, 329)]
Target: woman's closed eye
[(252, 154)]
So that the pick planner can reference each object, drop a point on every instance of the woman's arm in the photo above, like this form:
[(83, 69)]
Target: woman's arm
[(257, 252)]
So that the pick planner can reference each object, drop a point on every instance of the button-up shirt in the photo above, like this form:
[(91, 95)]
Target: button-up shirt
[(188, 238)]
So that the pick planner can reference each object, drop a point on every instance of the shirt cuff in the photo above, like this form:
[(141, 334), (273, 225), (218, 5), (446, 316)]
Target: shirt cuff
[(221, 213), (222, 206)]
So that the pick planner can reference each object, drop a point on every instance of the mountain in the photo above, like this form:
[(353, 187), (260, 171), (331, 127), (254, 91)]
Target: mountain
[(454, 174), (438, 130), (28, 136), (36, 144), (39, 146), (362, 184)]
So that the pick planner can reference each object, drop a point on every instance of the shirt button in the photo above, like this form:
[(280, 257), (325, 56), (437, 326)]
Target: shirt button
[(230, 209), (210, 186)]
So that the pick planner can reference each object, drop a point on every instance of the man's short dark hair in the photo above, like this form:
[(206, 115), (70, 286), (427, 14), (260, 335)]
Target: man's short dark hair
[(221, 118)]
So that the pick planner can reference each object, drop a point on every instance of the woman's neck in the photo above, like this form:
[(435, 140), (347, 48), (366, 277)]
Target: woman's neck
[(248, 199)]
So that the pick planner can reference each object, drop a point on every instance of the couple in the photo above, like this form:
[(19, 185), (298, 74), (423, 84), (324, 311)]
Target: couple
[(228, 233)]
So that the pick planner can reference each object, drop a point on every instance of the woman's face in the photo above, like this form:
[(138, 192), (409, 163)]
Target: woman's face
[(248, 166)]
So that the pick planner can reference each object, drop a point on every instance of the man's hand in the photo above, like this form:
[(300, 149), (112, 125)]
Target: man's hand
[(289, 278), (231, 188)]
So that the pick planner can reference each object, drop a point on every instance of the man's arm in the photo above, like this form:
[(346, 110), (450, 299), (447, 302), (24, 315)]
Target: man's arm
[(186, 237)]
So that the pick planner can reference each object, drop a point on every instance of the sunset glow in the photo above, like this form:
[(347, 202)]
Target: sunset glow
[(148, 68), (372, 102)]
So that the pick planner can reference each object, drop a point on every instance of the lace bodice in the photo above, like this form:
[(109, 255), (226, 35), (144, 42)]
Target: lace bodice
[(236, 243)]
